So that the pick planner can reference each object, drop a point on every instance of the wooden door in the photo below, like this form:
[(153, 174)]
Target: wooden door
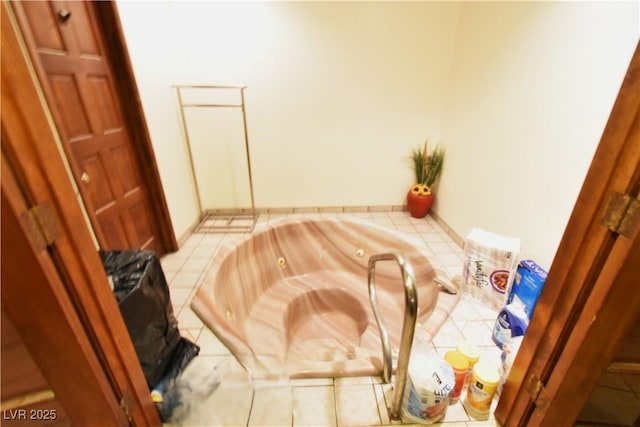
[(70, 56), (591, 298), (54, 288), (62, 377)]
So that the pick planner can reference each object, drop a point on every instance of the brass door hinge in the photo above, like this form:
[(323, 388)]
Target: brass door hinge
[(622, 214), (41, 225), (538, 393), (125, 405)]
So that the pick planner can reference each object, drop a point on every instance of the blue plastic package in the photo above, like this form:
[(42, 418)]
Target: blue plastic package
[(527, 285)]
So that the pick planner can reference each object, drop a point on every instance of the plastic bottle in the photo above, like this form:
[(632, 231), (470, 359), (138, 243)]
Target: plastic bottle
[(428, 389), (460, 366), (482, 389), (509, 352), (470, 351), (512, 321)]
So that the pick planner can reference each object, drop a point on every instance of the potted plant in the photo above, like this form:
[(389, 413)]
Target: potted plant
[(427, 167)]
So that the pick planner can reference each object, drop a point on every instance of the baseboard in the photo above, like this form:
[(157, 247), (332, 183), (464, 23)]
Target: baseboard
[(325, 209), (309, 209), (446, 227)]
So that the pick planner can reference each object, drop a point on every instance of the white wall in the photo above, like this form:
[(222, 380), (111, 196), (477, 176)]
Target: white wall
[(532, 86), (338, 93)]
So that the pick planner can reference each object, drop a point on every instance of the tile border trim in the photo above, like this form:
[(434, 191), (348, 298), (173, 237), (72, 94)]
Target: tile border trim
[(326, 209)]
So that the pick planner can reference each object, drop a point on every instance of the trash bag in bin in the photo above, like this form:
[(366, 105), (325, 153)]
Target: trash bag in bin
[(142, 293), (165, 394)]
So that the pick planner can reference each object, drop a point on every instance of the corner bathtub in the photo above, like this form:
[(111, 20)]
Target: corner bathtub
[(292, 299)]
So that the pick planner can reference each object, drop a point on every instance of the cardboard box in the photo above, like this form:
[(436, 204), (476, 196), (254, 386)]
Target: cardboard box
[(527, 285)]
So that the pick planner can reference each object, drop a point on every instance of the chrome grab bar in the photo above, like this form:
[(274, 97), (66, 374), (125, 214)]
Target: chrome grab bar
[(408, 326)]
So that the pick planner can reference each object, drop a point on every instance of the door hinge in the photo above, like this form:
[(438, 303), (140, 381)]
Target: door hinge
[(622, 214), (538, 392), (126, 408), (41, 225)]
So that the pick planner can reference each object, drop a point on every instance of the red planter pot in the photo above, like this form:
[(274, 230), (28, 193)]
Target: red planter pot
[(418, 204)]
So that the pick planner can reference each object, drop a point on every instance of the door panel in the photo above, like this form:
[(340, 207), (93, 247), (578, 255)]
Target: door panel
[(42, 19), (67, 101), (106, 105), (69, 57), (22, 378), (113, 229)]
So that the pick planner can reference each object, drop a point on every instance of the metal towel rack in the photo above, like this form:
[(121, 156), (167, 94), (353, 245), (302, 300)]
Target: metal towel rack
[(218, 221), (408, 326)]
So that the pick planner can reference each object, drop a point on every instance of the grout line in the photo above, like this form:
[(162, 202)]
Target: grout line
[(253, 399), (335, 402)]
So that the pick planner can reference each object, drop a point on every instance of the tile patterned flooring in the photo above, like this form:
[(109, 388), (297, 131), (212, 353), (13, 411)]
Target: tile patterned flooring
[(216, 391)]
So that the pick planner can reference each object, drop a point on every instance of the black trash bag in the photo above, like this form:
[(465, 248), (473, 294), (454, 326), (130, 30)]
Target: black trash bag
[(142, 293), (165, 395), (185, 352)]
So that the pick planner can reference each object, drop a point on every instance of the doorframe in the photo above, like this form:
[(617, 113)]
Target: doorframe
[(124, 84), (42, 313), (588, 302), (30, 151), (125, 81)]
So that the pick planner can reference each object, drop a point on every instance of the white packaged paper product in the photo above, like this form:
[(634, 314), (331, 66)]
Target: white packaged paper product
[(509, 352), (490, 262), (428, 389)]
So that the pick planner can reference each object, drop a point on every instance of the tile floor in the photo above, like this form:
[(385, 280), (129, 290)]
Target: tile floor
[(216, 391), (614, 401)]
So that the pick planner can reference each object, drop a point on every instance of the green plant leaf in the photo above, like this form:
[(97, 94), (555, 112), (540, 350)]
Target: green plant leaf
[(426, 166)]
